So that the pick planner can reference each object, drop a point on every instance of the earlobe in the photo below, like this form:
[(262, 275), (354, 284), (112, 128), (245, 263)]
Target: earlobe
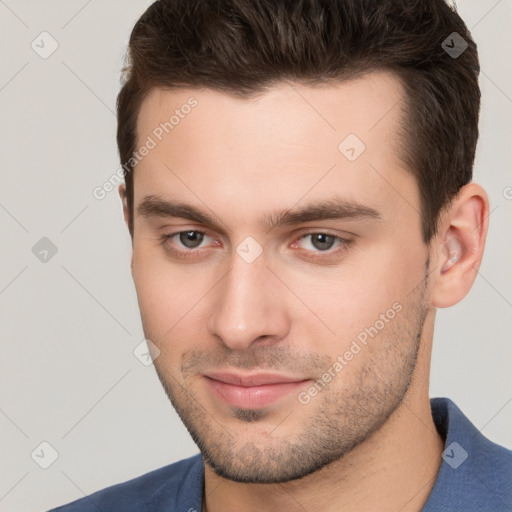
[(460, 242)]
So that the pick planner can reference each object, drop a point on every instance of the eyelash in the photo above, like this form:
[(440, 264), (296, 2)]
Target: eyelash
[(320, 255)]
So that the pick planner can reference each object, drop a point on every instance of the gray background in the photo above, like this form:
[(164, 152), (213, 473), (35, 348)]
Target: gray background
[(69, 325)]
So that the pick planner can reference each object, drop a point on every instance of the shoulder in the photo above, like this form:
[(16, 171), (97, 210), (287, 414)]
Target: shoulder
[(168, 488), (492, 468), (475, 473)]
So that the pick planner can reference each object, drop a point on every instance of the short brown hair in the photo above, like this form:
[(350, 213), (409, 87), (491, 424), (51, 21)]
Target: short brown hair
[(244, 46)]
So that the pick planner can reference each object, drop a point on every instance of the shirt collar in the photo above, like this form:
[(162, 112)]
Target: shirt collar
[(475, 473)]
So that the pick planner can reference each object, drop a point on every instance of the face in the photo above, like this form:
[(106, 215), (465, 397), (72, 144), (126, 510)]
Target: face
[(279, 273)]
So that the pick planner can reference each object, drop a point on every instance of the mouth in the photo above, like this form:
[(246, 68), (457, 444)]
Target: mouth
[(252, 391)]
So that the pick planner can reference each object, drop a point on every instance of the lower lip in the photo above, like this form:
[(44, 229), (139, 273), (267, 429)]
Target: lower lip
[(252, 397)]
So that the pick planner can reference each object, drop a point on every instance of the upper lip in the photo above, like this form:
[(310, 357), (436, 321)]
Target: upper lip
[(254, 379)]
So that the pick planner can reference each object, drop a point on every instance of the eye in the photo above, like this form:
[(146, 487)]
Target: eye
[(321, 241), (190, 239), (184, 243), (315, 245), (321, 245)]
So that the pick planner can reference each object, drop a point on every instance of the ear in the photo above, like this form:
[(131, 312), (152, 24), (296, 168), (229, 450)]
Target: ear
[(122, 194), (459, 246), (124, 200)]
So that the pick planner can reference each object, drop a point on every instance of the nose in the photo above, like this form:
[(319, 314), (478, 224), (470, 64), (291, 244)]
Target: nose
[(250, 306)]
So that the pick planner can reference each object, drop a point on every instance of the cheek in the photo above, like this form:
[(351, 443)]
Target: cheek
[(353, 297), (157, 292), (171, 297)]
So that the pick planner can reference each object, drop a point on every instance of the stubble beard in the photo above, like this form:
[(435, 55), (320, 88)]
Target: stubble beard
[(332, 424)]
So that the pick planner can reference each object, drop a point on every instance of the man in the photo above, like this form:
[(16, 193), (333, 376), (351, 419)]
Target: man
[(299, 196)]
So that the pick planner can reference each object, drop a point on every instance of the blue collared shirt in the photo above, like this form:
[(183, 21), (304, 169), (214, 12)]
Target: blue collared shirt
[(475, 476)]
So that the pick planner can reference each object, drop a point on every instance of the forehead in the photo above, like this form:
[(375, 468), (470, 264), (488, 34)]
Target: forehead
[(345, 106), (278, 145)]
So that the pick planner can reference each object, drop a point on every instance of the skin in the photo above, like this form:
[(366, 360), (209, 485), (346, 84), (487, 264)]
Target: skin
[(366, 441)]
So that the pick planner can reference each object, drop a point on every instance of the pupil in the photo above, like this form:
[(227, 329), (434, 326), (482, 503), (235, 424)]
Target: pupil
[(323, 241), (191, 239)]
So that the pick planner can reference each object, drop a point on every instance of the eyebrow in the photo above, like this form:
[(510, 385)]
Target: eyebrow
[(333, 208)]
